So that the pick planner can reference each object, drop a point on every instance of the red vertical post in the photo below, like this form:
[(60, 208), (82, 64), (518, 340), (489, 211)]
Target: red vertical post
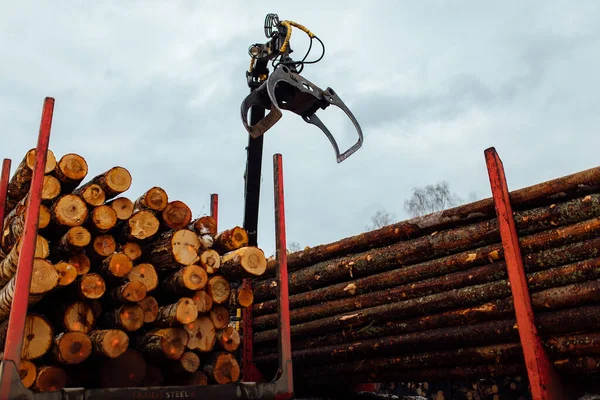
[(18, 311), (4, 178), (544, 381), (286, 379), (214, 208)]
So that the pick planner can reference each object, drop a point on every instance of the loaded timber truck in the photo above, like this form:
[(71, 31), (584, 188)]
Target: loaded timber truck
[(105, 297)]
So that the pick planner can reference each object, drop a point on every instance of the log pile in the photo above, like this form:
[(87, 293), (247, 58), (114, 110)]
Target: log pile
[(125, 291), (428, 299)]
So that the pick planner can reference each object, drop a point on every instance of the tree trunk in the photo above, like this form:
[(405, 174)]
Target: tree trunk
[(102, 219), (246, 262), (50, 378), (218, 289), (8, 266), (123, 208), (452, 337), (244, 295), (155, 199), (173, 249), (165, 343), (423, 249), (72, 347), (37, 340), (67, 274), (128, 317), (140, 226), (16, 227), (146, 274), (114, 182), (210, 261), (229, 339), (150, 307), (223, 368), (182, 312), (203, 301), (563, 277), (176, 215), (70, 170), (91, 194), (542, 194), (474, 276), (185, 281), (132, 249), (202, 334), (74, 241), (19, 184), (109, 343), (230, 240)]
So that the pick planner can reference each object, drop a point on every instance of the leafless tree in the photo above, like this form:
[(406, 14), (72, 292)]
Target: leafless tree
[(292, 247), (380, 219), (432, 198)]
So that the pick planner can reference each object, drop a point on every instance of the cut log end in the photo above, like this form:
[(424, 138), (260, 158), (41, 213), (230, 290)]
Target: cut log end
[(175, 247), (229, 338), (155, 199), (223, 369), (202, 334), (79, 316), (44, 277), (92, 194), (219, 289), (123, 208), (203, 301), (182, 312), (71, 169), (27, 373), (69, 210), (114, 181), (75, 240), (145, 273), (111, 343), (51, 188), (176, 215), (103, 246), (81, 262), (205, 225), (189, 362), (72, 347), (169, 343), (219, 316), (246, 262), (245, 296), (67, 273), (132, 249), (103, 218), (50, 160), (50, 379), (117, 265), (37, 338), (142, 225), (150, 307), (231, 239), (91, 286), (210, 260)]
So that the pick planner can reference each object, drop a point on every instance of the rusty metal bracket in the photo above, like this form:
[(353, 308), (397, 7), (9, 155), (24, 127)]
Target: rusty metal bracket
[(544, 381)]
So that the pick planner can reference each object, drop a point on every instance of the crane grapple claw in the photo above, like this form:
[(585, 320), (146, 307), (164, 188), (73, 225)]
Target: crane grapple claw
[(288, 90)]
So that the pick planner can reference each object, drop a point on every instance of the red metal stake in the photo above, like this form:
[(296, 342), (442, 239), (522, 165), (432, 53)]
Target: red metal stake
[(544, 381), (4, 189), (18, 311), (214, 207), (285, 346)]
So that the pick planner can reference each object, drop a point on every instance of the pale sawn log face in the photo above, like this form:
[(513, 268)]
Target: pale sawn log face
[(155, 199)]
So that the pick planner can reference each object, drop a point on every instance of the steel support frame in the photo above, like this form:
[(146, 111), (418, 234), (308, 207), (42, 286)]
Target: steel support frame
[(545, 383), (18, 311)]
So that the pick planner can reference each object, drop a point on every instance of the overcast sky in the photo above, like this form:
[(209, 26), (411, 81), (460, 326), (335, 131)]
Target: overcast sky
[(156, 87)]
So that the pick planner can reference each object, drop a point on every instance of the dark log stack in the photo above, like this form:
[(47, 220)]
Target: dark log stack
[(428, 299), (125, 291)]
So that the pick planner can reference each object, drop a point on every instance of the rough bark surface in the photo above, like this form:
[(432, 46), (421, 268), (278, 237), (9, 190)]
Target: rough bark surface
[(110, 343), (542, 194)]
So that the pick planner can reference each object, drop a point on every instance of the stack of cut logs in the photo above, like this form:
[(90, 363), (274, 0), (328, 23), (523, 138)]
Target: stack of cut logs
[(428, 299), (124, 292)]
